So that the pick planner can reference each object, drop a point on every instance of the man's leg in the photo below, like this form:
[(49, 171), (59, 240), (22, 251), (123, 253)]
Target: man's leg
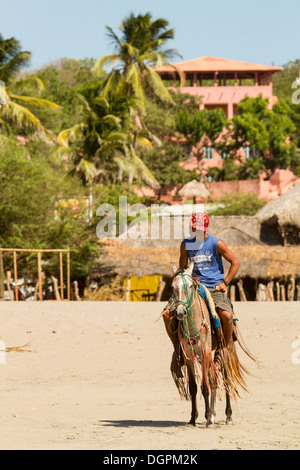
[(227, 325)]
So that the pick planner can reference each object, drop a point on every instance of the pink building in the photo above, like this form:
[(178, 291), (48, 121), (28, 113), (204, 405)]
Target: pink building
[(221, 83)]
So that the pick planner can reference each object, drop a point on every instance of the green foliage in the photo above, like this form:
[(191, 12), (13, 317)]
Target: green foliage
[(238, 204), (29, 189), (164, 164), (194, 126), (282, 82)]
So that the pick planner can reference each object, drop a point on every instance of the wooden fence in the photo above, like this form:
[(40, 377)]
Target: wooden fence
[(14, 251)]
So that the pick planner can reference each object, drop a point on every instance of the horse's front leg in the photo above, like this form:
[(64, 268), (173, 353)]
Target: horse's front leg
[(209, 409), (193, 392)]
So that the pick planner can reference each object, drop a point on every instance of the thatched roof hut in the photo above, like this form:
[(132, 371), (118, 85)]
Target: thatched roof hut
[(234, 236), (195, 189), (257, 261), (267, 262), (284, 211)]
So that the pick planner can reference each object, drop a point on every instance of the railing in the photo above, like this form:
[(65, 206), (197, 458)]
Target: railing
[(39, 258)]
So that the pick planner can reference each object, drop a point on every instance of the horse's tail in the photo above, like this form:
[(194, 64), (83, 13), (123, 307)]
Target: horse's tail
[(233, 371), (242, 343)]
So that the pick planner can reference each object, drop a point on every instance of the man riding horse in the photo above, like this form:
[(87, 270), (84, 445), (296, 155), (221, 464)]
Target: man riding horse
[(207, 252)]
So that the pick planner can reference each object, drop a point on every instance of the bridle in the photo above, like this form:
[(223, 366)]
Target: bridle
[(190, 296)]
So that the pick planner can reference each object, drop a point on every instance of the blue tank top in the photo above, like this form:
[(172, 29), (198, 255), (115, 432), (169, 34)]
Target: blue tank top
[(208, 264)]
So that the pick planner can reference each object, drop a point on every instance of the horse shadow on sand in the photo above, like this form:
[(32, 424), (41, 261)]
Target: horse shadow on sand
[(131, 423)]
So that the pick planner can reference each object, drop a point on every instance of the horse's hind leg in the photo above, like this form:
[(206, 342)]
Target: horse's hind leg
[(228, 410), (193, 392)]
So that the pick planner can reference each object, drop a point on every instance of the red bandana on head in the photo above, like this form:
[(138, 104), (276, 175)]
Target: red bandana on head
[(200, 221)]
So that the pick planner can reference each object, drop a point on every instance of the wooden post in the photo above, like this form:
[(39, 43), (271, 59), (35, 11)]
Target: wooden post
[(8, 277), (232, 293), (291, 290), (76, 291), (68, 274), (127, 290), (241, 291), (270, 295), (282, 291), (277, 291), (61, 270), (261, 293), (298, 292), (55, 288), (16, 277), (40, 275), (2, 289), (160, 289)]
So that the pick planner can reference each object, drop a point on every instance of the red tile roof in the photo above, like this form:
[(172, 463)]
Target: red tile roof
[(215, 64)]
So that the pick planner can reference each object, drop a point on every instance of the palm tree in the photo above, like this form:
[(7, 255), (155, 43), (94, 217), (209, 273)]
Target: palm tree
[(103, 141), (14, 91), (138, 50)]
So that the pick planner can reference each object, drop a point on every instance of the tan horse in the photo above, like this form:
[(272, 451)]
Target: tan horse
[(194, 341)]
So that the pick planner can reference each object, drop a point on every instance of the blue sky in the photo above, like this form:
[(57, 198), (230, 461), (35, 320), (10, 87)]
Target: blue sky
[(261, 31)]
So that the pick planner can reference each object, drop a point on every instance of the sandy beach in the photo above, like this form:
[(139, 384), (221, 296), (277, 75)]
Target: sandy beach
[(96, 375)]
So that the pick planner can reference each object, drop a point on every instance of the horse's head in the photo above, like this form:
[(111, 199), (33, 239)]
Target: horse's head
[(183, 289)]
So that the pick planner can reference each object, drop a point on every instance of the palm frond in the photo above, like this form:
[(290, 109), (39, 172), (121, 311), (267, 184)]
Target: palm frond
[(32, 82), (107, 60), (32, 100), (73, 133), (144, 171), (88, 169), (21, 116), (112, 35), (10, 68), (134, 79), (157, 85)]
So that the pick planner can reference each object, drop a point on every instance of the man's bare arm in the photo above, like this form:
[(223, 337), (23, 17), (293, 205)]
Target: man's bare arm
[(224, 251)]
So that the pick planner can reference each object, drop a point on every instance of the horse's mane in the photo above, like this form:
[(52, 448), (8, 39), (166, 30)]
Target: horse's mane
[(180, 271)]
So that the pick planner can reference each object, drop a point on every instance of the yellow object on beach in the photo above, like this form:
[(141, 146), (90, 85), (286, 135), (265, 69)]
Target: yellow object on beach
[(144, 288)]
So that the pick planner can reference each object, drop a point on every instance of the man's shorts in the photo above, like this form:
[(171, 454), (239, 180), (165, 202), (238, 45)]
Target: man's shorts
[(221, 300)]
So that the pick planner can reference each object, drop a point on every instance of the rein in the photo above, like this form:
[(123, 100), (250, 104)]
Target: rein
[(189, 296), (189, 304)]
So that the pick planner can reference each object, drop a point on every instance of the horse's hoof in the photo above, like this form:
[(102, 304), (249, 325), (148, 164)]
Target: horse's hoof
[(192, 423), (210, 425), (229, 422)]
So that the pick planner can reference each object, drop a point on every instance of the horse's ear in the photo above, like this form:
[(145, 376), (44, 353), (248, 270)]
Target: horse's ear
[(173, 266), (190, 267)]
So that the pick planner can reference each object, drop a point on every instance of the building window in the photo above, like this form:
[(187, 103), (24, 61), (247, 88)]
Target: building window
[(247, 151), (224, 155), (208, 153), (250, 152)]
